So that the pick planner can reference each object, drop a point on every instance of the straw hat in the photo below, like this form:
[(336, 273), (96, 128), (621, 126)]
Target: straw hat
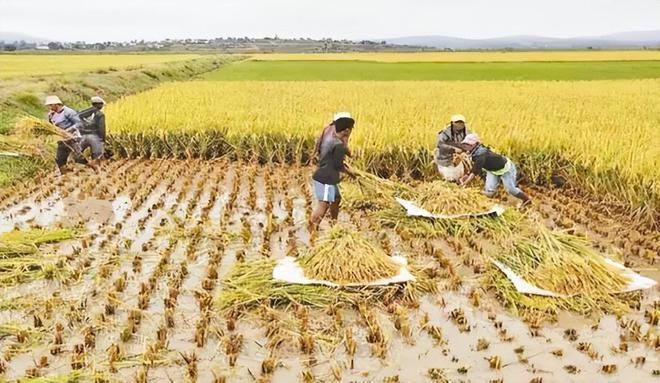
[(97, 100), (339, 115), (53, 100), (457, 117)]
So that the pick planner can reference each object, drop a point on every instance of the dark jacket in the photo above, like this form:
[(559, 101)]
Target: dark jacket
[(93, 122), (485, 159), (332, 163)]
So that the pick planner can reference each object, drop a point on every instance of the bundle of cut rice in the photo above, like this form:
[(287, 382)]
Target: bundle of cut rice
[(344, 256)]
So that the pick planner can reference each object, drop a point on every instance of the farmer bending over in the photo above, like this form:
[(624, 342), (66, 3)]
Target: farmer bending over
[(326, 177), (449, 141), (93, 130), (66, 119), (497, 168), (328, 135)]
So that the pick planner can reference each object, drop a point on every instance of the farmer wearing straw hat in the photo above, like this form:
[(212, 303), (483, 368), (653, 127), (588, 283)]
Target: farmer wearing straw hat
[(66, 119), (93, 130), (496, 166), (449, 140), (326, 178), (327, 135)]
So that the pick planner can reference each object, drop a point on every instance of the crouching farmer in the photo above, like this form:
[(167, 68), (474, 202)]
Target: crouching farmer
[(93, 130), (497, 167), (326, 178), (449, 141)]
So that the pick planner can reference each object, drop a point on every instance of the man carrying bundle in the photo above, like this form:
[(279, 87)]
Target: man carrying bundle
[(66, 119), (449, 141), (497, 168), (327, 135), (327, 176), (93, 131)]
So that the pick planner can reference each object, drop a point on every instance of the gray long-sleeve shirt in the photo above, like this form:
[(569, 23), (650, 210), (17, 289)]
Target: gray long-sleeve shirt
[(93, 122), (66, 119), (448, 141)]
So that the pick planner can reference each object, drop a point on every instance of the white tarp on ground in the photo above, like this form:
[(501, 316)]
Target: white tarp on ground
[(287, 270), (637, 282), (416, 211)]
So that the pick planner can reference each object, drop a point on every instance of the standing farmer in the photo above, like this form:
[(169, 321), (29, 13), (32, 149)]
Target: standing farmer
[(93, 130), (327, 135), (326, 178), (497, 168), (66, 119), (449, 141)]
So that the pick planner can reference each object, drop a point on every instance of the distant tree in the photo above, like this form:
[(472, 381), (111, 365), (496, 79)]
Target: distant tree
[(54, 46), (10, 48)]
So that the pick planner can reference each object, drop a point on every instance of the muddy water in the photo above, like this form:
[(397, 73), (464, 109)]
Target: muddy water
[(143, 196)]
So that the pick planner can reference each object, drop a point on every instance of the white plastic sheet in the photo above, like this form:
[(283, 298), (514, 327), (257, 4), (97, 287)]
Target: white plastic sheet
[(415, 211), (287, 270), (637, 282), (521, 285)]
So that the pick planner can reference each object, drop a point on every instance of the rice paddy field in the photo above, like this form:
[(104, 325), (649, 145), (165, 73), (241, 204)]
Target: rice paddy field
[(160, 266), (135, 290), (23, 65)]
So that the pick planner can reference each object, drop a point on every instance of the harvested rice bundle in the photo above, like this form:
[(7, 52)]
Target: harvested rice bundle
[(345, 256), (25, 242), (372, 192), (36, 127), (564, 264), (441, 197), (396, 217), (22, 146), (251, 283)]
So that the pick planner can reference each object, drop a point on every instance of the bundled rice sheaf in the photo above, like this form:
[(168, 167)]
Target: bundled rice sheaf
[(26, 242), (21, 259), (251, 283), (370, 192), (564, 264), (441, 197), (36, 127), (344, 256)]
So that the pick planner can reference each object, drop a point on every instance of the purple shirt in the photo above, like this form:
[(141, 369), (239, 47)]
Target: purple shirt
[(66, 119)]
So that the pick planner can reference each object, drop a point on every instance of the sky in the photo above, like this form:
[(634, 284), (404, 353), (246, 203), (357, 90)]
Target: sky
[(120, 20)]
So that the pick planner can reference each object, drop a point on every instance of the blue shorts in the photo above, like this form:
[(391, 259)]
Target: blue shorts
[(326, 193)]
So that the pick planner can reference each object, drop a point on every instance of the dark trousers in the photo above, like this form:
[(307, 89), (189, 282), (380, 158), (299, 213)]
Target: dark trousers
[(64, 149)]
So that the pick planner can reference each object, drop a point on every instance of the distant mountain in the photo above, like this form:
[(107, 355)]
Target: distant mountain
[(10, 37), (616, 40)]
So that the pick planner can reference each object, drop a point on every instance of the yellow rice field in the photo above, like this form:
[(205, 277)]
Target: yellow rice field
[(586, 127)]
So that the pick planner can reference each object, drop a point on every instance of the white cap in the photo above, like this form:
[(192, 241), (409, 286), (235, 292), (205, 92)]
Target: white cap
[(97, 100), (53, 100), (471, 139), (339, 115), (457, 117)]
